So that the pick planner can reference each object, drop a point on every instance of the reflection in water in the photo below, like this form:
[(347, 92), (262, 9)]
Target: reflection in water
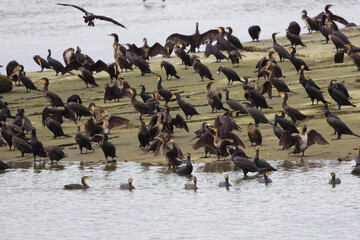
[(217, 167)]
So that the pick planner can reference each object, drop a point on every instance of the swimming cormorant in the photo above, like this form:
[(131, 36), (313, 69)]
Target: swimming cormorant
[(192, 186), (265, 179), (84, 186), (128, 185), (333, 179)]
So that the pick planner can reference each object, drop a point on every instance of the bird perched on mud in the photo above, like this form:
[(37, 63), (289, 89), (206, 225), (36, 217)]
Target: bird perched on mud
[(302, 141), (90, 17)]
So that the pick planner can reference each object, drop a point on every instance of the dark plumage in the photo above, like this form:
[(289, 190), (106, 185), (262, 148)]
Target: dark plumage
[(3, 166), (309, 22), (21, 145), (339, 93), (297, 62), (294, 39), (107, 147), (184, 56), (235, 57), (244, 164), (256, 97), (143, 135), (212, 50), (187, 108), (314, 93), (164, 93), (293, 113), (41, 62), (87, 76), (187, 168), (25, 80), (10, 67), (55, 127), (90, 17), (53, 98), (338, 125), (294, 28), (128, 185), (141, 107), (83, 184), (74, 98), (234, 105), (202, 70), (214, 98), (226, 183), (254, 134), (261, 163), (78, 109), (170, 69), (256, 114), (284, 123), (36, 145), (281, 51), (82, 140), (194, 40), (334, 180), (55, 64), (232, 39), (254, 32), (230, 74)]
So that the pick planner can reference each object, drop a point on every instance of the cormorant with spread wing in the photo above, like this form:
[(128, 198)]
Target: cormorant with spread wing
[(90, 17)]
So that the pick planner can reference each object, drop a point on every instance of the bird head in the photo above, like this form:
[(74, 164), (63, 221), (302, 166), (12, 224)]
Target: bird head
[(130, 180)]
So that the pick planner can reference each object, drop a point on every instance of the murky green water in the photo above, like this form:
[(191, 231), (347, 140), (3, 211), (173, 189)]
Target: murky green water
[(299, 204)]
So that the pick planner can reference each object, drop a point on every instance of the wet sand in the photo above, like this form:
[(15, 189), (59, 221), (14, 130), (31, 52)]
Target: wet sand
[(318, 56)]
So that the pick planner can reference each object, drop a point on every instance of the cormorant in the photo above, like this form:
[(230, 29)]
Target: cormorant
[(82, 140), (297, 62), (254, 134), (234, 105), (74, 98), (55, 64), (141, 107), (184, 56), (78, 109), (226, 183), (164, 93), (21, 145), (107, 147), (36, 145), (265, 179), (261, 163), (212, 50), (256, 114), (294, 28), (294, 39), (254, 32), (339, 94), (25, 80), (41, 62), (84, 186), (54, 126), (281, 51), (244, 164), (195, 39), (338, 125), (53, 98), (284, 123), (143, 135), (293, 113), (302, 141), (187, 168), (192, 186), (309, 22), (90, 17), (202, 70), (214, 98), (187, 108), (128, 185), (333, 179), (235, 57), (230, 74), (170, 70)]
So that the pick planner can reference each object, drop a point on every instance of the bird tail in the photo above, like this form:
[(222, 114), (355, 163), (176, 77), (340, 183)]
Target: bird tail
[(211, 78), (65, 135), (38, 90), (176, 76), (95, 84), (355, 135)]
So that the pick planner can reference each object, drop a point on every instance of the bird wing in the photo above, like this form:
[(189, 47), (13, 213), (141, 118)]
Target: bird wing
[(71, 5), (179, 122), (236, 139), (211, 34), (206, 139), (73, 65), (315, 137), (109, 20), (179, 153), (180, 38), (156, 49), (267, 88), (116, 121), (67, 113), (98, 66), (287, 140), (134, 49)]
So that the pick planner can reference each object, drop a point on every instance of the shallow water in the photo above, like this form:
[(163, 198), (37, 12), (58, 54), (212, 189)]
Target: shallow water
[(31, 27), (299, 204)]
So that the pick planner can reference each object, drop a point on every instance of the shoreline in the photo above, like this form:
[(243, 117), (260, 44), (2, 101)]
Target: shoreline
[(318, 56)]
